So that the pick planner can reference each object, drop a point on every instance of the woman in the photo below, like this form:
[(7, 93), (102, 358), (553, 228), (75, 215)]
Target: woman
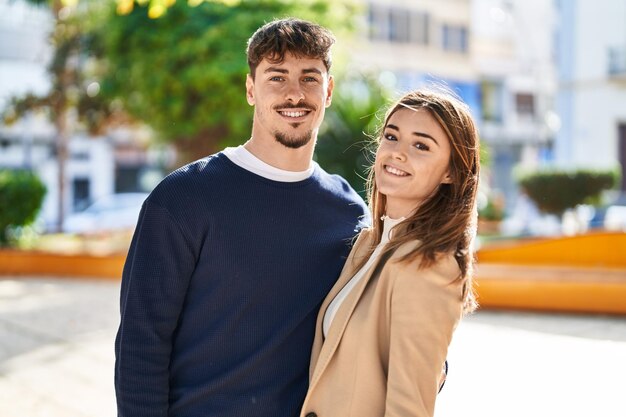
[(383, 331)]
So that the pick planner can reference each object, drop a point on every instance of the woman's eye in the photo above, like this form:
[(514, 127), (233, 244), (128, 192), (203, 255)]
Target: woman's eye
[(421, 146), (389, 136)]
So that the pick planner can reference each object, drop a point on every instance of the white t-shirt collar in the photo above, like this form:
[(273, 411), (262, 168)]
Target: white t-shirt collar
[(246, 160)]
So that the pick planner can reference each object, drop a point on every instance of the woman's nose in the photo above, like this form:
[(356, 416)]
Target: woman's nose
[(399, 152)]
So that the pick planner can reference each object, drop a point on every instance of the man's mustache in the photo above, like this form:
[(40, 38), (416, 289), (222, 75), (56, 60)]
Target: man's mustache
[(302, 105)]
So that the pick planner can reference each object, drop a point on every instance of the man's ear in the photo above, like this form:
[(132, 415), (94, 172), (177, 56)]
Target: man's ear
[(250, 90), (329, 90)]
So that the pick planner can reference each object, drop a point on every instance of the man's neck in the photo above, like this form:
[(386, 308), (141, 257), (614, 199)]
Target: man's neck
[(280, 156)]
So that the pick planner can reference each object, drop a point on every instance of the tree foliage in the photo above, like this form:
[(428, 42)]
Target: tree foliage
[(346, 143), (73, 70), (21, 197), (555, 191), (184, 73), (73, 87)]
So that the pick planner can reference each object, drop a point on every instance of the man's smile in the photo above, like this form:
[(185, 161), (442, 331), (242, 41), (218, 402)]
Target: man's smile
[(294, 113)]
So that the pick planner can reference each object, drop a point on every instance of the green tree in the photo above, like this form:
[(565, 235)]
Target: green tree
[(73, 73), (184, 73)]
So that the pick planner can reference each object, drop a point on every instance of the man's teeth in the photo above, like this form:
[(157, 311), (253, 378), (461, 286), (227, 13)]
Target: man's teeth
[(293, 113), (395, 171)]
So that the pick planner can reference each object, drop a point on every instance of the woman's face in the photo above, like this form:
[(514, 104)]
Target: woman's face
[(412, 160)]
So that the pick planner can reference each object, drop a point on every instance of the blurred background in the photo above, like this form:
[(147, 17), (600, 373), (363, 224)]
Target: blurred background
[(99, 100)]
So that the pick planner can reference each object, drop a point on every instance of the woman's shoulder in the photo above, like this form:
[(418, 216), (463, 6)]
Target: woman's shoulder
[(364, 239), (437, 287), (443, 270)]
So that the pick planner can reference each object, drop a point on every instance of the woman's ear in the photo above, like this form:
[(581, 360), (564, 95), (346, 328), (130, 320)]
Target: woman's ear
[(447, 178)]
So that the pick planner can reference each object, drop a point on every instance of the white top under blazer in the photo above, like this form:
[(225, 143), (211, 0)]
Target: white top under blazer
[(329, 315)]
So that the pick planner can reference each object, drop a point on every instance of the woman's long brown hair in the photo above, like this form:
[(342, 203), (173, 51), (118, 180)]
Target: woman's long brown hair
[(446, 222)]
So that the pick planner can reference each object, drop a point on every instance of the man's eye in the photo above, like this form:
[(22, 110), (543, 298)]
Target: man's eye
[(310, 79), (276, 78)]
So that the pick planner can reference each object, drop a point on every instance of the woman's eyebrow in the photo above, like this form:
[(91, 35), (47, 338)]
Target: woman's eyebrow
[(419, 134)]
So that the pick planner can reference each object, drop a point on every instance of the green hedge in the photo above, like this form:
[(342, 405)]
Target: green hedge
[(21, 197), (555, 191)]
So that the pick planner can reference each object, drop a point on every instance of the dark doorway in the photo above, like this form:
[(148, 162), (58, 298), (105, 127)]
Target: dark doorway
[(622, 154), (81, 191)]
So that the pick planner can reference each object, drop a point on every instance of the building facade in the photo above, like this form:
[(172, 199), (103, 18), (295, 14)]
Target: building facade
[(497, 55), (514, 56), (592, 85), (416, 43)]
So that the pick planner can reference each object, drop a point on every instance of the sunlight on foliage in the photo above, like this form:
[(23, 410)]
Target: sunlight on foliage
[(125, 6), (184, 73), (157, 8)]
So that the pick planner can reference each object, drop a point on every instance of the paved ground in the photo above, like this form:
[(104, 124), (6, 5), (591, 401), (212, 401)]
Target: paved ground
[(56, 357)]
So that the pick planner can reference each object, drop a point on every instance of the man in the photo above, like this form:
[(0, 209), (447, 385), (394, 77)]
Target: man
[(234, 253)]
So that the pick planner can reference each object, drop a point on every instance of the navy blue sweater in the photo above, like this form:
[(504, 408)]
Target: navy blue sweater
[(221, 289)]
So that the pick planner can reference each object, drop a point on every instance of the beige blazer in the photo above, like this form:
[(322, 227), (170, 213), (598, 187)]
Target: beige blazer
[(388, 341)]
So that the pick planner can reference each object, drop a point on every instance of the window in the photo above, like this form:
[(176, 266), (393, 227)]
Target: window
[(82, 155), (491, 100), (617, 61), (127, 179), (80, 191), (378, 23), (398, 25), (420, 28), (454, 38), (525, 104), (5, 143)]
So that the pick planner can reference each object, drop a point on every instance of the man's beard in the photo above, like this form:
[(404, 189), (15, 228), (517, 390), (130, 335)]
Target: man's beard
[(293, 142)]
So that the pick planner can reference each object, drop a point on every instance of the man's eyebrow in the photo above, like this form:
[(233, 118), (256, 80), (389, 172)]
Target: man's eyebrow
[(276, 69), (310, 70), (419, 134), (285, 71)]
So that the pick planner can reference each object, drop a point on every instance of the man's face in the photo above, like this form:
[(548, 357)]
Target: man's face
[(290, 99)]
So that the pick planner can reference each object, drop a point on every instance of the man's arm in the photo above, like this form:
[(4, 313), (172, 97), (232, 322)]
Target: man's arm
[(154, 283)]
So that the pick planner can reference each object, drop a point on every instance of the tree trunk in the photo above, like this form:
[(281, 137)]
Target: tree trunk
[(206, 142), (64, 77), (62, 157)]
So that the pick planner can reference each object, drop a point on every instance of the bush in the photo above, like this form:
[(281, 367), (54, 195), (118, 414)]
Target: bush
[(555, 191), (21, 197), (493, 210)]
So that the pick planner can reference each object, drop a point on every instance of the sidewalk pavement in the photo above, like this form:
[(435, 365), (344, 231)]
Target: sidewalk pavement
[(56, 357)]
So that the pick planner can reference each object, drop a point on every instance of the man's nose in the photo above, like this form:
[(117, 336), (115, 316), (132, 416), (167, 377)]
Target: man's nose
[(294, 93)]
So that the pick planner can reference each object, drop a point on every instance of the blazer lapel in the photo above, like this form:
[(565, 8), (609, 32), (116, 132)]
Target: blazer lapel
[(348, 271), (323, 349), (330, 343)]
